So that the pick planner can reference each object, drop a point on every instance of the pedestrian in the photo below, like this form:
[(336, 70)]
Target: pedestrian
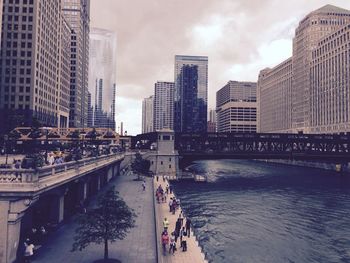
[(171, 189), (29, 251), (18, 164), (157, 178), (184, 243), (182, 235), (188, 226), (170, 205), (177, 229), (181, 217), (167, 189), (144, 185), (165, 241), (165, 224), (172, 247)]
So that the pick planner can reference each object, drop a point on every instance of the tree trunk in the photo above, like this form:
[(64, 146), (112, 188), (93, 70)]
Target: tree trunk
[(106, 249)]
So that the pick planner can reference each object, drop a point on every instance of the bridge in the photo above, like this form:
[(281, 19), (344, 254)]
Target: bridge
[(312, 147), (46, 196)]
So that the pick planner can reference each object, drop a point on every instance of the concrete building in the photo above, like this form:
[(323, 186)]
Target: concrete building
[(191, 93), (147, 114), (1, 6), (236, 107), (275, 98), (330, 83), (102, 76), (77, 14), (33, 64), (310, 31), (163, 107), (211, 126)]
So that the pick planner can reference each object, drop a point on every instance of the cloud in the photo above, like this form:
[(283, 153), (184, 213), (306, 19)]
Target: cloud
[(240, 37)]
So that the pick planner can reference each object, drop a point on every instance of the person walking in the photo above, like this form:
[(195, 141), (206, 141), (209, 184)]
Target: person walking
[(165, 241), (144, 185), (188, 226), (29, 251), (170, 204), (172, 247), (165, 224)]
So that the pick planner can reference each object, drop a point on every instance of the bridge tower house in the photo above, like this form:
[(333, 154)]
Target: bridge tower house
[(165, 159)]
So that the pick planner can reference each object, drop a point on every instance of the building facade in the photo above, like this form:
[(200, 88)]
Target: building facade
[(211, 126), (163, 107), (33, 69), (330, 83), (310, 31), (275, 98), (236, 107), (147, 114), (191, 93), (77, 14), (102, 77)]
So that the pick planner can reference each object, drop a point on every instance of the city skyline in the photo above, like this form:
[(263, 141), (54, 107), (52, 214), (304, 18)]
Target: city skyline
[(238, 38)]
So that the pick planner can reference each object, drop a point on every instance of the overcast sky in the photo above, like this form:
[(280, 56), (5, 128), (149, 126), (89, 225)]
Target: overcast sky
[(240, 37)]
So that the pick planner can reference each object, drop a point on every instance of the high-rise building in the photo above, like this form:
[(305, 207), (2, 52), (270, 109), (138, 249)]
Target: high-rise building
[(163, 113), (310, 31), (102, 76), (33, 64), (1, 6), (275, 98), (305, 93), (211, 126), (77, 14), (330, 83), (147, 115), (236, 107), (191, 93)]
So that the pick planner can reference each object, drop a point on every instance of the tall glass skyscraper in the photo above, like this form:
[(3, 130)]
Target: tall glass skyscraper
[(191, 93), (102, 77)]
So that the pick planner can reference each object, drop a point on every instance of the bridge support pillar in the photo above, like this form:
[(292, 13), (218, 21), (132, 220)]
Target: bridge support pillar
[(11, 213), (98, 177)]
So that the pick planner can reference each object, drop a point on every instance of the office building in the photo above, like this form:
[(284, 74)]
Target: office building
[(211, 126), (330, 83), (191, 93), (310, 31), (77, 14), (33, 65), (275, 98), (102, 76), (163, 107), (147, 115), (236, 107), (1, 6)]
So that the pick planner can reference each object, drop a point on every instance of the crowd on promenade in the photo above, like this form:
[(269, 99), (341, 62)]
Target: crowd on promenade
[(172, 238)]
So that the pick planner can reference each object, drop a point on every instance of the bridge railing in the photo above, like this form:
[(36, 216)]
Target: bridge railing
[(13, 176)]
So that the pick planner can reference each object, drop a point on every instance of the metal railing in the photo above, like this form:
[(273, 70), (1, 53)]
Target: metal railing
[(34, 175)]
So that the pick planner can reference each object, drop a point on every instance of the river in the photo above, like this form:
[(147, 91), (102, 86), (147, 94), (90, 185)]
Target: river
[(261, 212)]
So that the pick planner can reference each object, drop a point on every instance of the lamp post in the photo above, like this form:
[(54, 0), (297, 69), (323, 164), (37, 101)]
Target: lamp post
[(6, 137)]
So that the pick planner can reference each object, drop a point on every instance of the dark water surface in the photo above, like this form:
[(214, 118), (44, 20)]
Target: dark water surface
[(259, 212)]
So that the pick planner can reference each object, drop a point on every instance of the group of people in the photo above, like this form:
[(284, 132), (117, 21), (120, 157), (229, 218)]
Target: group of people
[(181, 232), (33, 241)]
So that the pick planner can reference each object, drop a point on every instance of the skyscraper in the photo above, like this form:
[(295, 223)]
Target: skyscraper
[(33, 64), (163, 113), (236, 107), (147, 115), (191, 93), (102, 76), (77, 14), (311, 29), (308, 92), (211, 126)]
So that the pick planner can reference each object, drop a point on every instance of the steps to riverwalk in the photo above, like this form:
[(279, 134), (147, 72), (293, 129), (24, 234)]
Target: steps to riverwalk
[(194, 253)]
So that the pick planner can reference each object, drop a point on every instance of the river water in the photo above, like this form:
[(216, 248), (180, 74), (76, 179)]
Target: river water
[(261, 212)]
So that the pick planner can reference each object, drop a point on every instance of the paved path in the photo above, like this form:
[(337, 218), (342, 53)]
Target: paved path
[(193, 253), (138, 246)]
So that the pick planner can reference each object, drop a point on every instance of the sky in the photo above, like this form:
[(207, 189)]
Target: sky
[(240, 37)]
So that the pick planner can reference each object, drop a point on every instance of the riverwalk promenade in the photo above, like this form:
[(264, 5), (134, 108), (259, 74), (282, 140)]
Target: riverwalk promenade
[(193, 253), (138, 246)]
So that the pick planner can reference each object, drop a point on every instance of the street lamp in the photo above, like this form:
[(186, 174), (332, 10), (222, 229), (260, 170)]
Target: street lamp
[(6, 137), (46, 141)]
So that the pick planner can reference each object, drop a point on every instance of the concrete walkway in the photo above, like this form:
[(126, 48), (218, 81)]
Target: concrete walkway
[(138, 246), (193, 253)]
